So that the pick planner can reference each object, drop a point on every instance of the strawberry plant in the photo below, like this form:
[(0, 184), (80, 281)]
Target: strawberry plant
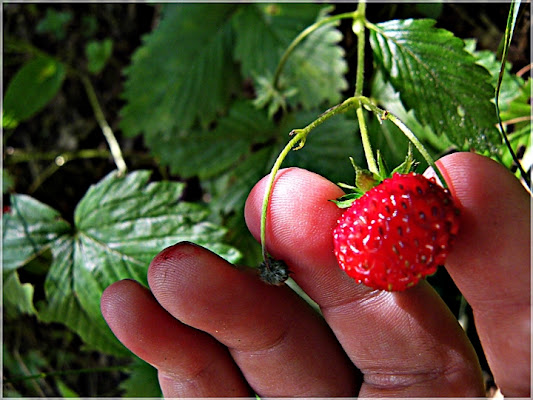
[(208, 98)]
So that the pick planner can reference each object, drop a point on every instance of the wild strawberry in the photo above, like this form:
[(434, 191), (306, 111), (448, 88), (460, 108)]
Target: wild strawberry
[(397, 232)]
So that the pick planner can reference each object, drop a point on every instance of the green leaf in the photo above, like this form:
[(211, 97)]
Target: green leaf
[(316, 81), (208, 153), (64, 390), (386, 136), (142, 381), (31, 89), (263, 32), (230, 190), (183, 72), (98, 54), (55, 23), (437, 78), (8, 182), (519, 107), (120, 225), (30, 229), (17, 296), (510, 86)]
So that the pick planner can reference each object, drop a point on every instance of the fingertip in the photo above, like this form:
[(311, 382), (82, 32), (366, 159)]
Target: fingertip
[(115, 297), (301, 215), (159, 271)]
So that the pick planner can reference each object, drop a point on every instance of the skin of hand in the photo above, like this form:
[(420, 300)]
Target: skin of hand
[(212, 329)]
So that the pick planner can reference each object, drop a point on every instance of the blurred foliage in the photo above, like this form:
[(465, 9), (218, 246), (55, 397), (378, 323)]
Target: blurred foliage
[(189, 92)]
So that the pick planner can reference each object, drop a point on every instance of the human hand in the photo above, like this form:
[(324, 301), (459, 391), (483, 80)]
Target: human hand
[(215, 330)]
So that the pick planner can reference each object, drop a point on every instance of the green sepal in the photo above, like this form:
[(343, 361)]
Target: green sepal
[(347, 200), (366, 180), (409, 164), (382, 167)]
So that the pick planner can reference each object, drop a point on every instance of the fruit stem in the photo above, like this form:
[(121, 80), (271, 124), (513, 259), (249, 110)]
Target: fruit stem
[(384, 114), (296, 140), (306, 32), (367, 146), (359, 29), (296, 143)]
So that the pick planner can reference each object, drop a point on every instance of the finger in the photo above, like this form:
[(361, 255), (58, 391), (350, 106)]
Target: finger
[(190, 363), (281, 345), (406, 344), (490, 263)]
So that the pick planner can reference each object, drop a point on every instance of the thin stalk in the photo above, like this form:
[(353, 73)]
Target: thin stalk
[(511, 21), (114, 147), (297, 142), (275, 168), (298, 39), (15, 156), (367, 146), (359, 30), (383, 114)]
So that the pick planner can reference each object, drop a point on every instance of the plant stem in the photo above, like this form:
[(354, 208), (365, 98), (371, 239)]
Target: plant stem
[(511, 21), (15, 156), (114, 147), (367, 146), (384, 114), (298, 39), (275, 168), (359, 30), (297, 142)]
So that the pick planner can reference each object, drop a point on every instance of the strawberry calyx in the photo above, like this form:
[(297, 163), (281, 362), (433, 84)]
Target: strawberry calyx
[(366, 180)]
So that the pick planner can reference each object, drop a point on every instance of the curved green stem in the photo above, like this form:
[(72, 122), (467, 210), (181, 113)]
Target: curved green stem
[(297, 142), (114, 147), (292, 143), (298, 39), (300, 136), (511, 20)]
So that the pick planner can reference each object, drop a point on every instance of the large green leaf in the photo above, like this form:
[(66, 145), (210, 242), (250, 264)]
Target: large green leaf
[(263, 33), (317, 68), (438, 79), (30, 90), (183, 72), (119, 226), (208, 153)]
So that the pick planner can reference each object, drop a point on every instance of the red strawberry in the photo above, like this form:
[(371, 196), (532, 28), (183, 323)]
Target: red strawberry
[(397, 232)]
